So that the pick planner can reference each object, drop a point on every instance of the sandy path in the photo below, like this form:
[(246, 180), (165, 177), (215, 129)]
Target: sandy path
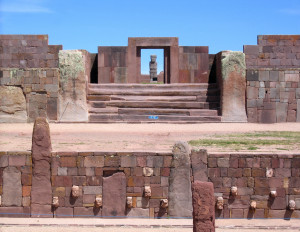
[(125, 137)]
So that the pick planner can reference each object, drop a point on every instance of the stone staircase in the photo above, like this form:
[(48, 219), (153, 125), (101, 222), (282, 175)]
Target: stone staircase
[(152, 103)]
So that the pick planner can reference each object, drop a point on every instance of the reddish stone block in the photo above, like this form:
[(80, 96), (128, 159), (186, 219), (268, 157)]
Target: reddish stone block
[(203, 206), (17, 160), (94, 161), (277, 203), (258, 172), (41, 211), (265, 162), (242, 162), (294, 182), (217, 181), (94, 180), (157, 192), (128, 161), (141, 161), (261, 182), (3, 161), (26, 179), (26, 191), (276, 182), (168, 161), (112, 161), (14, 212), (68, 161), (235, 172), (275, 163), (73, 202), (138, 181), (261, 191), (165, 171), (63, 212), (87, 212), (138, 171), (155, 180), (282, 172), (296, 163), (88, 199), (213, 172), (234, 162), (98, 171)]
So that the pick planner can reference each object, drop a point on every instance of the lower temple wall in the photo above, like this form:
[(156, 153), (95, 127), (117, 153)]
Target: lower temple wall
[(254, 175)]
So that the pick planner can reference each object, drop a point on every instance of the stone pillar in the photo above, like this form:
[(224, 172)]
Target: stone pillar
[(199, 165), (41, 191), (231, 77), (73, 68), (203, 206), (180, 194), (114, 195)]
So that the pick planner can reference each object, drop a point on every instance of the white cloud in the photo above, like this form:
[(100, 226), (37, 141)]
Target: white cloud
[(291, 11), (24, 6)]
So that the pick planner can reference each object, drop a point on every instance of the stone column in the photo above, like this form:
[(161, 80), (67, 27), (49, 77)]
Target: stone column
[(231, 77), (203, 206), (180, 194), (41, 192)]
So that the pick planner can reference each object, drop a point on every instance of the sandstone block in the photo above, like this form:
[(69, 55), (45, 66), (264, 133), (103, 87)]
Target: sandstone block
[(12, 188), (94, 161), (128, 161), (41, 191), (203, 206), (114, 195), (72, 94), (180, 195), (12, 104), (138, 213), (233, 87)]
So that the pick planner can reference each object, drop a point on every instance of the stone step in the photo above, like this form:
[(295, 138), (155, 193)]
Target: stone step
[(108, 118), (155, 92), (154, 86), (154, 111), (154, 104), (140, 98)]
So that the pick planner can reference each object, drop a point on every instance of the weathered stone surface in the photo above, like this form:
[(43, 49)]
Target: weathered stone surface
[(12, 104), (199, 165), (298, 110), (73, 79), (233, 86), (12, 188), (114, 195), (41, 191), (203, 206), (138, 213), (180, 194), (41, 211)]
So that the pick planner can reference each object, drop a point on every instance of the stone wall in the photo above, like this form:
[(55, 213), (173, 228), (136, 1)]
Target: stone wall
[(273, 72), (254, 175), (30, 65), (112, 64), (193, 64)]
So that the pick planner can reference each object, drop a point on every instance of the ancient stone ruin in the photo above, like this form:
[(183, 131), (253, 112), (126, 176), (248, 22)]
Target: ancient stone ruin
[(181, 183), (260, 84)]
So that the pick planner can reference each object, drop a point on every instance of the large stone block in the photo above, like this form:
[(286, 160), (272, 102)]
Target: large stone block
[(233, 86), (73, 80), (203, 206), (114, 195), (41, 191), (281, 111), (12, 104), (180, 194), (12, 187)]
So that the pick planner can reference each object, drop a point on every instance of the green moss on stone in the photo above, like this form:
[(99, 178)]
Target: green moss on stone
[(70, 64), (233, 61)]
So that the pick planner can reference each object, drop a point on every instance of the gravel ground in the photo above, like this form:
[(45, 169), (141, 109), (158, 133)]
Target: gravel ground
[(125, 137)]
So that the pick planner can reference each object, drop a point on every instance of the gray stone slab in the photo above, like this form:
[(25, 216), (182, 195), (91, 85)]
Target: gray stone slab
[(281, 111), (12, 187), (138, 213), (264, 76), (114, 195), (180, 193)]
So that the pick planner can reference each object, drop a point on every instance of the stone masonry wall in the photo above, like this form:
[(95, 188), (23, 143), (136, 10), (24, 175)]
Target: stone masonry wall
[(193, 64), (29, 63), (273, 74), (254, 175)]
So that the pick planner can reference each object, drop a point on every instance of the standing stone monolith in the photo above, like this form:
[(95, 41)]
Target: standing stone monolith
[(114, 195), (153, 68), (180, 194), (231, 73), (41, 192), (203, 206)]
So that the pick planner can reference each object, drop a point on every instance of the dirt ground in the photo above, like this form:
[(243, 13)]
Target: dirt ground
[(125, 137)]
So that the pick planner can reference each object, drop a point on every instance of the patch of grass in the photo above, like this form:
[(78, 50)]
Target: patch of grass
[(251, 141)]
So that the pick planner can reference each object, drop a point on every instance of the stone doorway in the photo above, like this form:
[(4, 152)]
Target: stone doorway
[(170, 47)]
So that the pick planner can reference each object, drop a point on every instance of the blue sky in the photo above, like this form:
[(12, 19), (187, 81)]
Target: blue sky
[(86, 24)]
